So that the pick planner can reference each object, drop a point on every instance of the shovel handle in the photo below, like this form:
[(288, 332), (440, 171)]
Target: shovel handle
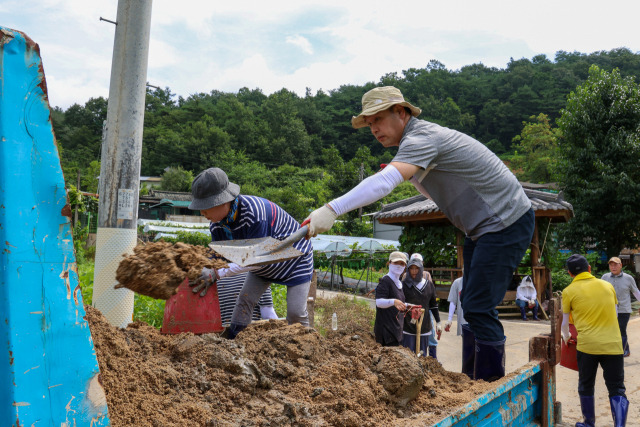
[(289, 241)]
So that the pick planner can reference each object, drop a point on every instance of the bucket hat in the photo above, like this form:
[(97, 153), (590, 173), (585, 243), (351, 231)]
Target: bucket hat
[(212, 188), (379, 99)]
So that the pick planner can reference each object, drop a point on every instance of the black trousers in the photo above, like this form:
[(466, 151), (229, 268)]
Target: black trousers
[(612, 371), (623, 320)]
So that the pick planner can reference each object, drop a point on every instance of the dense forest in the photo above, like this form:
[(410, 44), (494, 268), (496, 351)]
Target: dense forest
[(302, 151)]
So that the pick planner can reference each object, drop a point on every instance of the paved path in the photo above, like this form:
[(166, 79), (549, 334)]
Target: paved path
[(518, 333)]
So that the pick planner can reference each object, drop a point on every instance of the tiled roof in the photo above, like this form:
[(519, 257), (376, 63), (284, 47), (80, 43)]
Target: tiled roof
[(544, 203)]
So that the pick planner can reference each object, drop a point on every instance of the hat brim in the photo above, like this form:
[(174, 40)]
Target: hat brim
[(228, 195), (359, 121)]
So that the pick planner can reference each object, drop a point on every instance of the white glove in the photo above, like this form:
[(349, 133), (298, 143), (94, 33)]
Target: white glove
[(565, 337), (321, 220), (447, 325), (439, 327)]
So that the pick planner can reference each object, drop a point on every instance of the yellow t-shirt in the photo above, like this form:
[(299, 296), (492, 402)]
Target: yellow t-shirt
[(592, 304)]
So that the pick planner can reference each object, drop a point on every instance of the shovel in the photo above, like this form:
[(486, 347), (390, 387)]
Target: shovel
[(260, 251)]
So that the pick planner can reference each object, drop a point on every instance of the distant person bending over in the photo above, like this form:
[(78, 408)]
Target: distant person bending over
[(455, 306), (390, 305), (624, 285), (419, 291), (472, 187), (234, 216), (527, 298)]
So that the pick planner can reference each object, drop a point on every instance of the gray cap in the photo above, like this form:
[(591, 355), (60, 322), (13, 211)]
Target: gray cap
[(212, 188)]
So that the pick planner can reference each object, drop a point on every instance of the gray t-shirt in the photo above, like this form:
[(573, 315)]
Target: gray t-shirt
[(469, 183), (624, 286), (454, 297)]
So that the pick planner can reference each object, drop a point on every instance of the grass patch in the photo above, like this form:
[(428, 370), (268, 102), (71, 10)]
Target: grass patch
[(355, 316)]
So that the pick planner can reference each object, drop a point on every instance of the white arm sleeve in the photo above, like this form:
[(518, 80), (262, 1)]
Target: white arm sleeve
[(637, 295), (368, 191), (233, 270), (452, 309), (385, 302), (565, 326)]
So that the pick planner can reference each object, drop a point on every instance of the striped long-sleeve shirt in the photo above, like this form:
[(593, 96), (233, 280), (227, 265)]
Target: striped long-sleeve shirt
[(228, 290), (258, 217)]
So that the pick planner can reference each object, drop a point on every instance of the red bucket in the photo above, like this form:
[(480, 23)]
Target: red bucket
[(569, 354), (189, 312)]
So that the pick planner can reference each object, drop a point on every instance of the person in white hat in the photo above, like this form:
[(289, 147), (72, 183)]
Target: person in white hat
[(625, 285), (234, 216), (471, 186), (390, 306)]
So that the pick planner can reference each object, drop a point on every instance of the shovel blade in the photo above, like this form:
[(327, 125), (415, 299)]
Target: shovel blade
[(254, 252)]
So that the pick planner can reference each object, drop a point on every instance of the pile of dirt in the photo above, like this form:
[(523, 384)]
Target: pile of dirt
[(157, 269), (272, 374)]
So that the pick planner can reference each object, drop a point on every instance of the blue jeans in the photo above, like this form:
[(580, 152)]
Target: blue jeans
[(523, 304), (489, 263)]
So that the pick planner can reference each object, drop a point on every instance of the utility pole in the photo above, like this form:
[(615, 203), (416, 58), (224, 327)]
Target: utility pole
[(120, 161)]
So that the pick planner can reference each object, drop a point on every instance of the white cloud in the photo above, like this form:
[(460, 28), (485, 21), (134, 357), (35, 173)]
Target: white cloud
[(301, 42)]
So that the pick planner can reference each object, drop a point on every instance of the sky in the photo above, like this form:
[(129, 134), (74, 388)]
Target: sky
[(197, 46)]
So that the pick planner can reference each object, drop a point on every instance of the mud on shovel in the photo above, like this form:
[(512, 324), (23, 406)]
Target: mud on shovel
[(260, 251)]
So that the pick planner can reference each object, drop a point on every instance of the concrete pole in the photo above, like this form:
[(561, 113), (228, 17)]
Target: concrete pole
[(120, 162)]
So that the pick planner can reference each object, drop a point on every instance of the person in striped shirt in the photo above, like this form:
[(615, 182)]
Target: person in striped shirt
[(234, 216)]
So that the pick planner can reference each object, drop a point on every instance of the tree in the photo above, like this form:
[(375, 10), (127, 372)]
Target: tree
[(176, 179), (599, 153), (537, 148)]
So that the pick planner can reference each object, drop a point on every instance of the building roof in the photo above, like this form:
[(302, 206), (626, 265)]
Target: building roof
[(175, 198), (420, 209)]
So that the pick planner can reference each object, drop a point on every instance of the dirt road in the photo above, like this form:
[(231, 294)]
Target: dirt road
[(517, 354)]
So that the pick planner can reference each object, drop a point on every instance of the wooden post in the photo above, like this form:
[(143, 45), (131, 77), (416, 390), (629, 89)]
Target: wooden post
[(311, 299), (460, 246)]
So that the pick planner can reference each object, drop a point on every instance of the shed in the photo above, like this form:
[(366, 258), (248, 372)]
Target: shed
[(549, 206)]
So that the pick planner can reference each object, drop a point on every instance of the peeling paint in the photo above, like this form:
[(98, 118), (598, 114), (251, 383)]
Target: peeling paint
[(35, 367), (21, 404), (66, 211)]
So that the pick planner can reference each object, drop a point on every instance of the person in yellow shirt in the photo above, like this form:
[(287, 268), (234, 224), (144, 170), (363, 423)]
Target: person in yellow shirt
[(591, 303)]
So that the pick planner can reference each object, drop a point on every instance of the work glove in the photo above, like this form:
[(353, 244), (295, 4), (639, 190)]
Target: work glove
[(207, 278), (321, 220), (439, 329), (447, 325)]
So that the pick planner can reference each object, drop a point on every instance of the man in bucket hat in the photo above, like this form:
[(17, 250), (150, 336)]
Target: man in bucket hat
[(236, 216), (592, 303), (472, 187)]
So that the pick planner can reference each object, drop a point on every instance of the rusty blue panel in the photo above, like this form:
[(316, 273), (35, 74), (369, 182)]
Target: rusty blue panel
[(517, 402), (48, 367)]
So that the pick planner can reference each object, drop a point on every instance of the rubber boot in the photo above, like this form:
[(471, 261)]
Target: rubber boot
[(625, 347), (433, 351), (619, 410), (232, 331), (489, 362), (587, 404), (523, 311), (468, 350), (535, 312)]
